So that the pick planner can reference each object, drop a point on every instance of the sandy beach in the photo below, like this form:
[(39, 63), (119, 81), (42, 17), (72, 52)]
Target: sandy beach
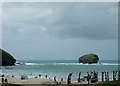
[(15, 80)]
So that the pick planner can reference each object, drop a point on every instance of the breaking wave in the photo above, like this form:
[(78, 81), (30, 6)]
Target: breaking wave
[(70, 64), (31, 64), (85, 64)]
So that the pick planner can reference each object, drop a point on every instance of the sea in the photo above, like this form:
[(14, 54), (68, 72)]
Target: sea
[(59, 68)]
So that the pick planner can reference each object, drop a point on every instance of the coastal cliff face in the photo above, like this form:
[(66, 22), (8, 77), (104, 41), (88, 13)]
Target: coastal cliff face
[(6, 59), (89, 58)]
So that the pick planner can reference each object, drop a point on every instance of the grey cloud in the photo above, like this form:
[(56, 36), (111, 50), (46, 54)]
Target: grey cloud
[(62, 20), (34, 30), (91, 22)]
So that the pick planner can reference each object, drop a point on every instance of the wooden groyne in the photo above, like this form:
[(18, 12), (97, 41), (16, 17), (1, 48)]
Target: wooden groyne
[(92, 77)]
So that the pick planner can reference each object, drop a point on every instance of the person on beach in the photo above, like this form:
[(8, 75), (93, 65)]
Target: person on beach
[(79, 77), (39, 75), (88, 78), (46, 76), (54, 79), (61, 79), (95, 76), (2, 80), (6, 80), (2, 75), (12, 76)]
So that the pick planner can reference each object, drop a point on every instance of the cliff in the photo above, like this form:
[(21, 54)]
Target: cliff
[(6, 59), (89, 58)]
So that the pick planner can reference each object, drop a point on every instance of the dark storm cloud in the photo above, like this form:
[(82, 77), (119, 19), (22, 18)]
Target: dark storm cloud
[(33, 30), (87, 20), (62, 20)]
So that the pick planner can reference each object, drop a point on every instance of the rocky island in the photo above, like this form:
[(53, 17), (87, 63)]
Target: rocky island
[(89, 58), (6, 59)]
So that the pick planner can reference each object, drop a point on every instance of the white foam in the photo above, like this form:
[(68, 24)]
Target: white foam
[(33, 64), (85, 64), (70, 64), (109, 64)]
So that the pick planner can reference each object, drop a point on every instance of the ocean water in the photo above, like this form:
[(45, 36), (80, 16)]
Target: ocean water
[(59, 68)]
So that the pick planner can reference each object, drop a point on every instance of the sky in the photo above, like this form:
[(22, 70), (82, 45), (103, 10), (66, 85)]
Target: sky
[(60, 30)]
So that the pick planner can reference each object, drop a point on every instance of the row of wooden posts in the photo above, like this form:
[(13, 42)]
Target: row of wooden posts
[(93, 76), (105, 76)]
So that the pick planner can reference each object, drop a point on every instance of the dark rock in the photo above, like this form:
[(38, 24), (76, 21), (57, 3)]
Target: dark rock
[(89, 58), (6, 59)]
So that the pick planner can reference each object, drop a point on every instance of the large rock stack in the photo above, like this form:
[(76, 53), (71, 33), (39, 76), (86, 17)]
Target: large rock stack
[(89, 58)]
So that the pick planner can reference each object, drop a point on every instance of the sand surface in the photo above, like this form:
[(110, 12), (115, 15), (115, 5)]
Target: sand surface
[(15, 80)]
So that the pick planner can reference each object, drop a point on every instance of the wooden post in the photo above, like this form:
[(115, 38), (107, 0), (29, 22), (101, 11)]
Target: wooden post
[(69, 78), (102, 76), (61, 79), (107, 76), (46, 76), (113, 75), (118, 75), (79, 77), (97, 76), (88, 77), (55, 79)]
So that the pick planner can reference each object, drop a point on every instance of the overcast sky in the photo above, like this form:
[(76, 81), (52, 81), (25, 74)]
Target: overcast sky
[(36, 30)]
